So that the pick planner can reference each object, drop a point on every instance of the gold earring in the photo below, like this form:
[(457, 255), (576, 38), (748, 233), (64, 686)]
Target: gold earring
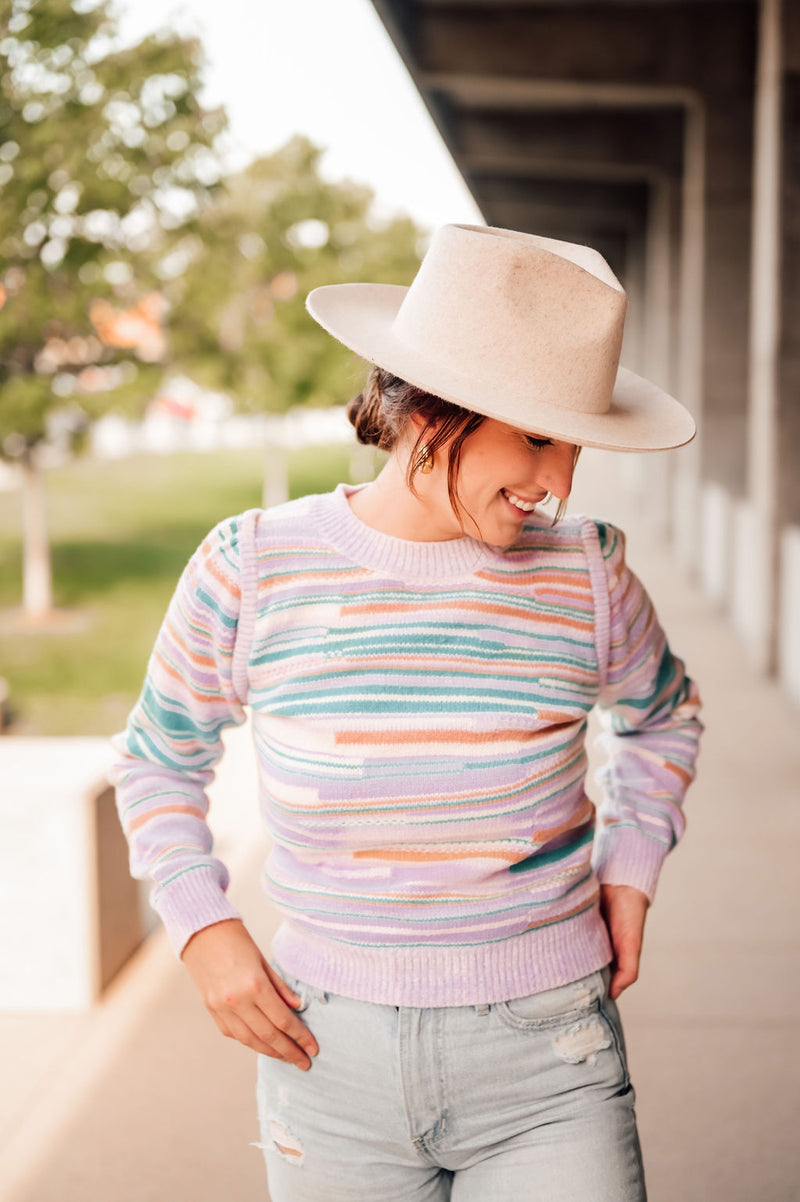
[(426, 461)]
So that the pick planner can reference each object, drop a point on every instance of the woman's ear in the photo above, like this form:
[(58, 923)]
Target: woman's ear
[(417, 422)]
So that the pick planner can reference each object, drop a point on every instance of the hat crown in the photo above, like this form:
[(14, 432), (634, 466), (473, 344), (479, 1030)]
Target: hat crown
[(544, 316)]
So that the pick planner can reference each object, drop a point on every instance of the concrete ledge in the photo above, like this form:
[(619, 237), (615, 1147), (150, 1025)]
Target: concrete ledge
[(74, 913)]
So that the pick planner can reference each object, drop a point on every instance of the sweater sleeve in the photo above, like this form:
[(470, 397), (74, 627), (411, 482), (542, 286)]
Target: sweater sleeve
[(647, 709), (172, 741)]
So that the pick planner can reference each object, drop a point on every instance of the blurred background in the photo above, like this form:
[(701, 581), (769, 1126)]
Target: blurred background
[(173, 182)]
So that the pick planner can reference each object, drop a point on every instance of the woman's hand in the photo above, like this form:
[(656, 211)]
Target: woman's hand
[(624, 909), (246, 998)]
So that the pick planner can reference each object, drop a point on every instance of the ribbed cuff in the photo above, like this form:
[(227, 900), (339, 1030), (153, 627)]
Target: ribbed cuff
[(623, 855), (190, 902)]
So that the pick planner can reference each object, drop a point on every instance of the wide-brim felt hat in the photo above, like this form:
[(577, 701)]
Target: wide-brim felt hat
[(515, 326)]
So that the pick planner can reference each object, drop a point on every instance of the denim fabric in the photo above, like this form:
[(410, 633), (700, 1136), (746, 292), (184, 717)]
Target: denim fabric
[(524, 1099)]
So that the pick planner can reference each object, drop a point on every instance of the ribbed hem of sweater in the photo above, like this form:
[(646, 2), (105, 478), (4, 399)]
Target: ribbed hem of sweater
[(448, 976)]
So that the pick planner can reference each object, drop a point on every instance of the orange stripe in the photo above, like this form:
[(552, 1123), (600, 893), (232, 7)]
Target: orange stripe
[(227, 584), (302, 575), (419, 857), (200, 698), (474, 606), (434, 736), (681, 773), (206, 661), (173, 809), (537, 576)]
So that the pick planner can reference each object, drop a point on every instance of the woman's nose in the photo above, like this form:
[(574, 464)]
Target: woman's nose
[(556, 474)]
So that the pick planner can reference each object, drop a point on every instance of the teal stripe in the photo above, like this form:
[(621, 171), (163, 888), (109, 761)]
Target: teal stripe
[(189, 868), (209, 601), (274, 650), (559, 853)]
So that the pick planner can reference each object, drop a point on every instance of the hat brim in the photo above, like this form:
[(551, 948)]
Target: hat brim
[(642, 416)]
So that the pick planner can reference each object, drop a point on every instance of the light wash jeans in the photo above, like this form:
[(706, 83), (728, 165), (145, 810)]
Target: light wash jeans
[(528, 1099)]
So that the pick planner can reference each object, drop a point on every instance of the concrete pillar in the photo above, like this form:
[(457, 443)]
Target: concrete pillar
[(686, 480), (787, 419), (663, 237), (756, 577)]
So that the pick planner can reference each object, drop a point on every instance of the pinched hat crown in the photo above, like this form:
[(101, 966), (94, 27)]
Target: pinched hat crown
[(561, 311)]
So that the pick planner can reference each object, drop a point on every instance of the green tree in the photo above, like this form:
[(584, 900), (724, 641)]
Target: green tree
[(268, 235), (104, 152)]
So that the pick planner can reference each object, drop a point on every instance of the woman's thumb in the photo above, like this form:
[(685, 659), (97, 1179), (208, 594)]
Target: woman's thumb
[(282, 988)]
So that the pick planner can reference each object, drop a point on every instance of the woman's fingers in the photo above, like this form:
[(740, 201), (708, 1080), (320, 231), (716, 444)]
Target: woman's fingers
[(278, 1046), (281, 987), (280, 1031), (267, 1025), (273, 1044), (624, 909)]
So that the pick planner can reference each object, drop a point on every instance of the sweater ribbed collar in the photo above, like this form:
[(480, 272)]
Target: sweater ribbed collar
[(402, 556)]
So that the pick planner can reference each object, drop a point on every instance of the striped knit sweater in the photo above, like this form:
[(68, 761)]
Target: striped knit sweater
[(419, 713)]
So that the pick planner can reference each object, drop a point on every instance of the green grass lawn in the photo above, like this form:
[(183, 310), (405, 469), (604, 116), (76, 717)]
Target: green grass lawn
[(121, 534)]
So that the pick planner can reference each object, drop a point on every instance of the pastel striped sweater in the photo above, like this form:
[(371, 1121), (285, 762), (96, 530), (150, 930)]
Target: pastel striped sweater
[(419, 713)]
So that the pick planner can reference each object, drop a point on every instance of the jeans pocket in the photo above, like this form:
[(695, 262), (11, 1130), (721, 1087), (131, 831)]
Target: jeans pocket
[(578, 1024), (303, 990), (553, 1007)]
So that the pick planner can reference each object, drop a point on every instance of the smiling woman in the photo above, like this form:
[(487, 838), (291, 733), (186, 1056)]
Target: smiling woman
[(420, 654)]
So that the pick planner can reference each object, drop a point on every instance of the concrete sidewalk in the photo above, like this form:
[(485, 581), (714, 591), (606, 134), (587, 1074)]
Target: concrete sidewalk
[(143, 1099)]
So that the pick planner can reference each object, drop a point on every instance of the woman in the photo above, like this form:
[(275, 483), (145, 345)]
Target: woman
[(420, 655)]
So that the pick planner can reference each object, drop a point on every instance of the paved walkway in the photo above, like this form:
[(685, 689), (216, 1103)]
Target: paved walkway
[(143, 1099)]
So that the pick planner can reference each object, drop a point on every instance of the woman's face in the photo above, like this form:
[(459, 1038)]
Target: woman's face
[(498, 461)]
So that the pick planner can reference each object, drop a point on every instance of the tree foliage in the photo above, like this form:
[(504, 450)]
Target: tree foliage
[(104, 150), (270, 234)]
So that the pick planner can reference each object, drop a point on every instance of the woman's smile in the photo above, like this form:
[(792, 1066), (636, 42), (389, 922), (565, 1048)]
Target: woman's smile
[(519, 510)]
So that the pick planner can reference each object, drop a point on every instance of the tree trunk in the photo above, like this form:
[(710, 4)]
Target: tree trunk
[(36, 570), (276, 474)]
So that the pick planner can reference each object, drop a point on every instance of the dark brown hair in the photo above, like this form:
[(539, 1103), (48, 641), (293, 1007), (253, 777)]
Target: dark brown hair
[(380, 414)]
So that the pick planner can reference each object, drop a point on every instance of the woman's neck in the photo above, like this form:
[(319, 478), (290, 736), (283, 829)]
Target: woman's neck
[(388, 505)]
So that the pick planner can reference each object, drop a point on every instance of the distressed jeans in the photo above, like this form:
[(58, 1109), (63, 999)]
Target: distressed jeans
[(527, 1099)]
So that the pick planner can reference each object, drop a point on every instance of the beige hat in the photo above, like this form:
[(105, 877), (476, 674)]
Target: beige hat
[(521, 328)]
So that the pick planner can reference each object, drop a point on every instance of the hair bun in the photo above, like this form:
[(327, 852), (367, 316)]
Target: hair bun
[(364, 412)]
